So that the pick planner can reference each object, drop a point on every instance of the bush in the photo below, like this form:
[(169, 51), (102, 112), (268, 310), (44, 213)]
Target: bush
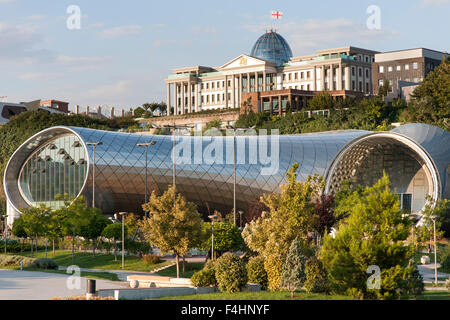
[(447, 284), (256, 272), (273, 265), (412, 281), (151, 259), (445, 258), (44, 263), (136, 247), (14, 261), (204, 278), (231, 273), (316, 277)]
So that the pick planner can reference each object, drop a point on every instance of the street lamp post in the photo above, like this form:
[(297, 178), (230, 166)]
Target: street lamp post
[(213, 217), (146, 145), (234, 163), (93, 144), (5, 231), (123, 214), (435, 252)]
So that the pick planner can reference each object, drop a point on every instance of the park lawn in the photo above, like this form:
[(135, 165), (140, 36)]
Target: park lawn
[(100, 261), (299, 295), (85, 274), (262, 295), (191, 268)]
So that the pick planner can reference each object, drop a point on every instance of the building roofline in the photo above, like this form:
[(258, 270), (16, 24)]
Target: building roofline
[(411, 49)]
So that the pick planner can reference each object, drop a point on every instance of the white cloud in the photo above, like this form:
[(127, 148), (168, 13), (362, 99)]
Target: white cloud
[(203, 30), (120, 31), (32, 76), (306, 38), (76, 64), (433, 3), (19, 42), (36, 17)]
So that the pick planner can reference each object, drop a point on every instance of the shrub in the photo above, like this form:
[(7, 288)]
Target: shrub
[(273, 265), (14, 261), (136, 247), (204, 278), (293, 274), (412, 281), (44, 263), (447, 284), (316, 277), (256, 272), (445, 258), (231, 273), (151, 259)]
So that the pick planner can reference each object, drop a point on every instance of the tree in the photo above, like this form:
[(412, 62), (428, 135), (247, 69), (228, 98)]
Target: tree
[(93, 230), (322, 101), (55, 228), (293, 275), (172, 228), (384, 89), (132, 223), (290, 216), (114, 231), (35, 220), (372, 235), (431, 99), (18, 230), (325, 217), (76, 215), (227, 237)]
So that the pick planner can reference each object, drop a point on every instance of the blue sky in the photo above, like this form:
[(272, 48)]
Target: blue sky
[(125, 49)]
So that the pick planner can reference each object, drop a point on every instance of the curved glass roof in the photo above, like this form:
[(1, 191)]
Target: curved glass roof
[(272, 47)]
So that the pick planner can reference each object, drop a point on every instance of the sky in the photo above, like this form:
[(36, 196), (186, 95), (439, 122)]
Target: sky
[(124, 50)]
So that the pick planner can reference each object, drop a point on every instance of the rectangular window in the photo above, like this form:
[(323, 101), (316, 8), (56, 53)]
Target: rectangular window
[(290, 77), (203, 86), (380, 82), (390, 69), (406, 66), (296, 76), (399, 68), (207, 86), (212, 85), (415, 65), (308, 75), (367, 73), (381, 69), (207, 99), (353, 71), (360, 72)]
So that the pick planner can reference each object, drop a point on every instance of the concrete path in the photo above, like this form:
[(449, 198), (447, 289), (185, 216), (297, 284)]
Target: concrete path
[(25, 285)]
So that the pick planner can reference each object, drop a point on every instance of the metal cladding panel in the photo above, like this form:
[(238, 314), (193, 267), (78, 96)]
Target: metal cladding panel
[(203, 177), (436, 142)]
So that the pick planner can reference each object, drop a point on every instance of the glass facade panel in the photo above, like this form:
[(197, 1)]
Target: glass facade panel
[(57, 168)]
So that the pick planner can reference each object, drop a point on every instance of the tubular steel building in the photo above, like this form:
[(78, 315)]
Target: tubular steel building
[(59, 160)]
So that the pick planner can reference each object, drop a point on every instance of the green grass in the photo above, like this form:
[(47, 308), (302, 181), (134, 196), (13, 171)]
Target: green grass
[(100, 261), (191, 268), (299, 295), (263, 295)]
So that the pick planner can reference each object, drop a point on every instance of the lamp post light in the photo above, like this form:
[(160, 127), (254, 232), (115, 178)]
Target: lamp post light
[(174, 127), (230, 127), (146, 145), (123, 214), (240, 219), (435, 251), (5, 231), (213, 217), (93, 144)]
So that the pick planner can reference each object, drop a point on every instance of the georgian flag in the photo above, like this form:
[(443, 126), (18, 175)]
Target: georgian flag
[(277, 15)]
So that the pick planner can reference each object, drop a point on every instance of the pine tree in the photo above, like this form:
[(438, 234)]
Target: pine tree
[(293, 275)]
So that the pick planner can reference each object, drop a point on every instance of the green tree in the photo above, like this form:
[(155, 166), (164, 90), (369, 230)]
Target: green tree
[(322, 101), (290, 216), (76, 215), (93, 230), (372, 235), (18, 230), (114, 232), (430, 101), (172, 228), (293, 275), (35, 220), (227, 237)]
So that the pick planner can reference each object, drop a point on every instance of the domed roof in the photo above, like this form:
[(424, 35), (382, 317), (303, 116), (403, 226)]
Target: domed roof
[(272, 47)]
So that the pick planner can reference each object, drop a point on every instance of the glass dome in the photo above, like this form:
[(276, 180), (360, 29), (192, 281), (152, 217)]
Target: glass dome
[(272, 47)]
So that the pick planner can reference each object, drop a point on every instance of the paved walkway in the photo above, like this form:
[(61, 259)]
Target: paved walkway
[(25, 285)]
